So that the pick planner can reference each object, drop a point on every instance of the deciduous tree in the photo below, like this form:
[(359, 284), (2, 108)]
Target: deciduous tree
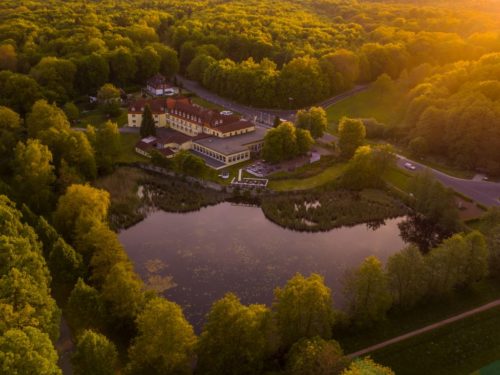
[(367, 291), (314, 120), (148, 127), (34, 175), (406, 273), (235, 338), (27, 351), (351, 135), (94, 354), (303, 308), (165, 342), (315, 356)]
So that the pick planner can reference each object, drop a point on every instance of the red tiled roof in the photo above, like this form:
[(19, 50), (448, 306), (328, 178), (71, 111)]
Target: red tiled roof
[(144, 146), (234, 126), (157, 105), (167, 152), (171, 102), (166, 136), (200, 115)]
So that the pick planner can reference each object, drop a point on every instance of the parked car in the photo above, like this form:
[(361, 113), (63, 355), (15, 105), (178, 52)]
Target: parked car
[(410, 166)]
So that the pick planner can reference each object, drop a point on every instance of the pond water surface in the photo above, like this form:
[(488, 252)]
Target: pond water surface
[(231, 248)]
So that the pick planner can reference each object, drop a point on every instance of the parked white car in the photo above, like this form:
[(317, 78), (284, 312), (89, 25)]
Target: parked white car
[(410, 166)]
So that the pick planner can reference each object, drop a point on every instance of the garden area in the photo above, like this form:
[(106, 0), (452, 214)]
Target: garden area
[(325, 209)]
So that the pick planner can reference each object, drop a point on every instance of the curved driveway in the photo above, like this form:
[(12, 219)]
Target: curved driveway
[(484, 192), (262, 115)]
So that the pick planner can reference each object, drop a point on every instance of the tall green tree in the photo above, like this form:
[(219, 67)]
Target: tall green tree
[(187, 163), (314, 119), (94, 354), (92, 72), (235, 338), (19, 92), (367, 366), (406, 273), (435, 202), (43, 117), (367, 290), (169, 61), (34, 175), (10, 134), (303, 308), (27, 351), (79, 208), (109, 99), (148, 64), (303, 140), (56, 76), (31, 302), (165, 341), (476, 257), (123, 295), (367, 167), (444, 265), (65, 265), (123, 66), (85, 309), (315, 356), (8, 57), (107, 147), (352, 134), (148, 127)]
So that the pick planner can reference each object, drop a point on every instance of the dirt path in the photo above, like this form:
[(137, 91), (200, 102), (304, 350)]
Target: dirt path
[(425, 329)]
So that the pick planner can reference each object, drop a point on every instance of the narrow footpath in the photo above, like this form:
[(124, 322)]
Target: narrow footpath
[(428, 328)]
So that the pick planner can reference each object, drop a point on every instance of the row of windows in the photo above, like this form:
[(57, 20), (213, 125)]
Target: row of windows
[(237, 132), (224, 159), (212, 154), (238, 157), (190, 117)]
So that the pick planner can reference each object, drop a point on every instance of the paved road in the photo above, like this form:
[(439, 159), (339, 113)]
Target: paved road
[(261, 115), (484, 192), (428, 328)]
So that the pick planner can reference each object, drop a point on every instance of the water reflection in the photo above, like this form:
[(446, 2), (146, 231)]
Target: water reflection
[(199, 256)]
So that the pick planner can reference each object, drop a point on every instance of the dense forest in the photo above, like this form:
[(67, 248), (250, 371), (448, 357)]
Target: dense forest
[(58, 254), (264, 53)]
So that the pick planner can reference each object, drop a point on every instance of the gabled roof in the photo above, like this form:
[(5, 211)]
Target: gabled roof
[(195, 113), (234, 126), (157, 105)]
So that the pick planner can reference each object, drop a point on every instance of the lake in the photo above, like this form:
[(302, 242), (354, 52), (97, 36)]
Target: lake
[(233, 248)]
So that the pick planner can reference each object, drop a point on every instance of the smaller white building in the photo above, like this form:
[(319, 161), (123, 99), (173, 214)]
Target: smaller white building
[(158, 86)]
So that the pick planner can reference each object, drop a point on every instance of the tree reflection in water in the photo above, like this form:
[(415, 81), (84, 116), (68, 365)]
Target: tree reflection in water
[(422, 232)]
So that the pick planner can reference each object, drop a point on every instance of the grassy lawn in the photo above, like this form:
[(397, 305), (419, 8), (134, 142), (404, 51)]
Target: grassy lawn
[(233, 172), (327, 175), (398, 178), (456, 349), (432, 311), (382, 106), (97, 118), (204, 103), (127, 151)]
